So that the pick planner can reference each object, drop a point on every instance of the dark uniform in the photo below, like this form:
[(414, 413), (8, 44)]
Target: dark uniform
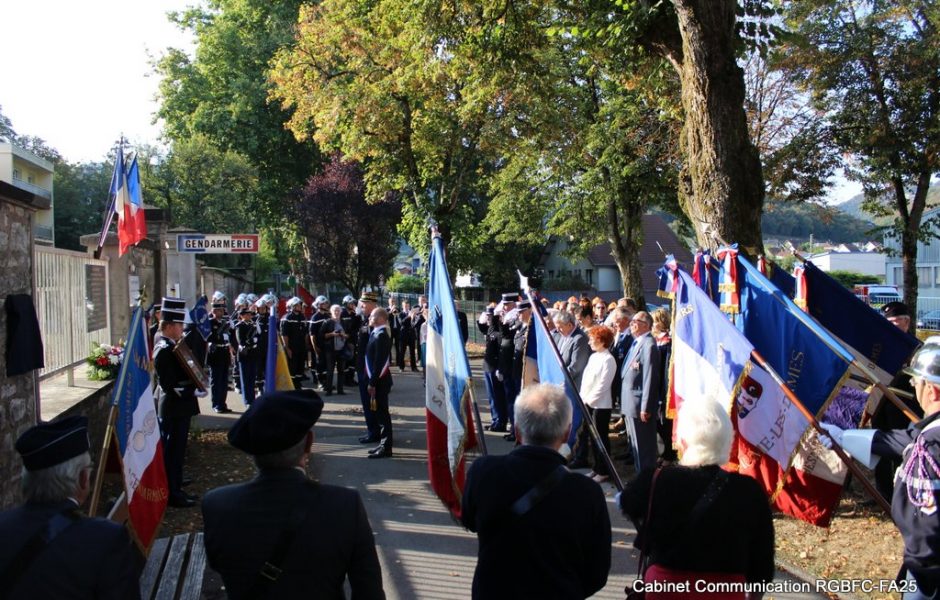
[(261, 357), (177, 407), (314, 536), (294, 332), (379, 376), (507, 336), (408, 338), (316, 321), (49, 549), (916, 497), (246, 336), (372, 425), (219, 360), (494, 387), (351, 324), (518, 361), (394, 325)]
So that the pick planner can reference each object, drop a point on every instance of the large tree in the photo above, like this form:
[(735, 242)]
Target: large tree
[(874, 68), (345, 239), (221, 93), (81, 196), (415, 91)]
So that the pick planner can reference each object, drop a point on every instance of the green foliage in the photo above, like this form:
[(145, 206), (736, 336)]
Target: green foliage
[(81, 196), (406, 284), (822, 222), (849, 278)]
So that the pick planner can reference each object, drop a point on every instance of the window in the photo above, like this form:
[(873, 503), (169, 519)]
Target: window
[(17, 174), (30, 179), (551, 274), (898, 276), (924, 278), (589, 276)]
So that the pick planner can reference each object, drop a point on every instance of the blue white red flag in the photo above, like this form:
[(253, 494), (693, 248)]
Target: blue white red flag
[(138, 436), (447, 396), (552, 370), (132, 225)]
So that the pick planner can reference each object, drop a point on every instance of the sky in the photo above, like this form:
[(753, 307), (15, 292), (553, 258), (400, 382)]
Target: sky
[(78, 75)]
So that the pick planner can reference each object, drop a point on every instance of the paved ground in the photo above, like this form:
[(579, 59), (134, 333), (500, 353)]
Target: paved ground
[(424, 553)]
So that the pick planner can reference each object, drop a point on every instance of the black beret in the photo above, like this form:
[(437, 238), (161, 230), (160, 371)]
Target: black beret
[(50, 444), (276, 421), (895, 309)]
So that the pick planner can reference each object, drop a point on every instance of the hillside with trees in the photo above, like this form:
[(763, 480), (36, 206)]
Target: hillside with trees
[(800, 220)]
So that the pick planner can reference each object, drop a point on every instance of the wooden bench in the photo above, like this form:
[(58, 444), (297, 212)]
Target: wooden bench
[(174, 569)]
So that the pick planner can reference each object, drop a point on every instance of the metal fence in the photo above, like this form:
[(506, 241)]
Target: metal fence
[(72, 305)]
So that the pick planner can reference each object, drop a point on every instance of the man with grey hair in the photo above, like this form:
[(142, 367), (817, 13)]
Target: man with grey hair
[(282, 534), (527, 504), (49, 550), (639, 396), (575, 351)]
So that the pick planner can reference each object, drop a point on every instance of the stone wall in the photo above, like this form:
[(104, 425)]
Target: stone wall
[(17, 394), (96, 406)]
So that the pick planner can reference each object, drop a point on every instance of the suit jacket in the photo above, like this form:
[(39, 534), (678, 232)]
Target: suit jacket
[(244, 521), (640, 374), (464, 327), (179, 392), (564, 539), (92, 558), (575, 352), (379, 358)]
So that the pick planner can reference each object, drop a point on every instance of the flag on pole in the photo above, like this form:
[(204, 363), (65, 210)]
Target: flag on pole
[(552, 370), (307, 299), (449, 421), (138, 436), (276, 371), (816, 367), (199, 314), (132, 225)]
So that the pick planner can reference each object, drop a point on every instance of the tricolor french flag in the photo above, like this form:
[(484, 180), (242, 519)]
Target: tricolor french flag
[(138, 437)]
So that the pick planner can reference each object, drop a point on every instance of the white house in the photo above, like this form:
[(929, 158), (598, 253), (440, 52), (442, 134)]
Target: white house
[(32, 174), (869, 263)]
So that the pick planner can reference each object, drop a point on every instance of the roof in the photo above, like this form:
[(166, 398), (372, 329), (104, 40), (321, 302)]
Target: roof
[(655, 230)]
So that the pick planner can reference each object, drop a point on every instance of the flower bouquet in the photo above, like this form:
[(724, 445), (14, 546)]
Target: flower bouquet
[(104, 362)]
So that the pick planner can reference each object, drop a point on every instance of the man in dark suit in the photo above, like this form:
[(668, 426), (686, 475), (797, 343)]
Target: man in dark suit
[(639, 394), (575, 352), (462, 323), (49, 550), (283, 535), (177, 404), (527, 504), (407, 336), (368, 304), (379, 379)]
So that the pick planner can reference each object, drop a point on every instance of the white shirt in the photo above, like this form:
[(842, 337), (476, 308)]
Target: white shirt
[(597, 379)]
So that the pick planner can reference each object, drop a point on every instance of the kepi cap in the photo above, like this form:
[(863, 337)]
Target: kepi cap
[(895, 309), (173, 310), (369, 297), (510, 297), (50, 444), (276, 421)]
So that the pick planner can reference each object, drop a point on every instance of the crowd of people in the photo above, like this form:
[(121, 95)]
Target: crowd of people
[(702, 532)]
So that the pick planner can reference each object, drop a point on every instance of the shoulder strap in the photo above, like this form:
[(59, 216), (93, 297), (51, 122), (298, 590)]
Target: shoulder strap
[(271, 569), (34, 546), (535, 495)]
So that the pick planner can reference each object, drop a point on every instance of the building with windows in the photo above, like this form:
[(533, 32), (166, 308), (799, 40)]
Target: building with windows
[(928, 262), (598, 271), (26, 171), (868, 263)]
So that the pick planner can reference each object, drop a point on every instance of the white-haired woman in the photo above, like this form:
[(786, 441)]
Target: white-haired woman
[(702, 524)]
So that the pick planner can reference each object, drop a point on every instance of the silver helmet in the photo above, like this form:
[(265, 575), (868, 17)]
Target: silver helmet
[(926, 361)]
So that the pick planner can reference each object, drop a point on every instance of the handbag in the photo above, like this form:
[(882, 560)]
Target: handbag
[(641, 565)]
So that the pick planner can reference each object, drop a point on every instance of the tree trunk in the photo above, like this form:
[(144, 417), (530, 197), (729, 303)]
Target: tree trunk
[(625, 231), (721, 186)]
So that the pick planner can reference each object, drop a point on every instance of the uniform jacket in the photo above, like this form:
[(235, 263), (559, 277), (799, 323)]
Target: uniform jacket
[(575, 352), (493, 339), (564, 539), (244, 521), (246, 336), (293, 328), (379, 357), (92, 558), (920, 527), (518, 351), (179, 392), (219, 342), (464, 327), (640, 376)]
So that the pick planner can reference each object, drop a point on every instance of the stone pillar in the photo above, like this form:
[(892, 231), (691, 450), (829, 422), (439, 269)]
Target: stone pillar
[(18, 394), (180, 270)]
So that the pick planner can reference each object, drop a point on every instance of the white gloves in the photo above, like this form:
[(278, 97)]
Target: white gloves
[(835, 433), (499, 376)]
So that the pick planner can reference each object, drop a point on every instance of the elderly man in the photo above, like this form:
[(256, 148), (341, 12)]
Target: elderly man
[(49, 550), (282, 534), (527, 504), (917, 481), (575, 351), (639, 395)]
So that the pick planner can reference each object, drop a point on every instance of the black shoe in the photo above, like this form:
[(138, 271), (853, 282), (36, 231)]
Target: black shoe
[(340, 393), (222, 410), (193, 497), (579, 463), (181, 502), (500, 428), (368, 439), (510, 437), (414, 369), (380, 452), (186, 481)]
